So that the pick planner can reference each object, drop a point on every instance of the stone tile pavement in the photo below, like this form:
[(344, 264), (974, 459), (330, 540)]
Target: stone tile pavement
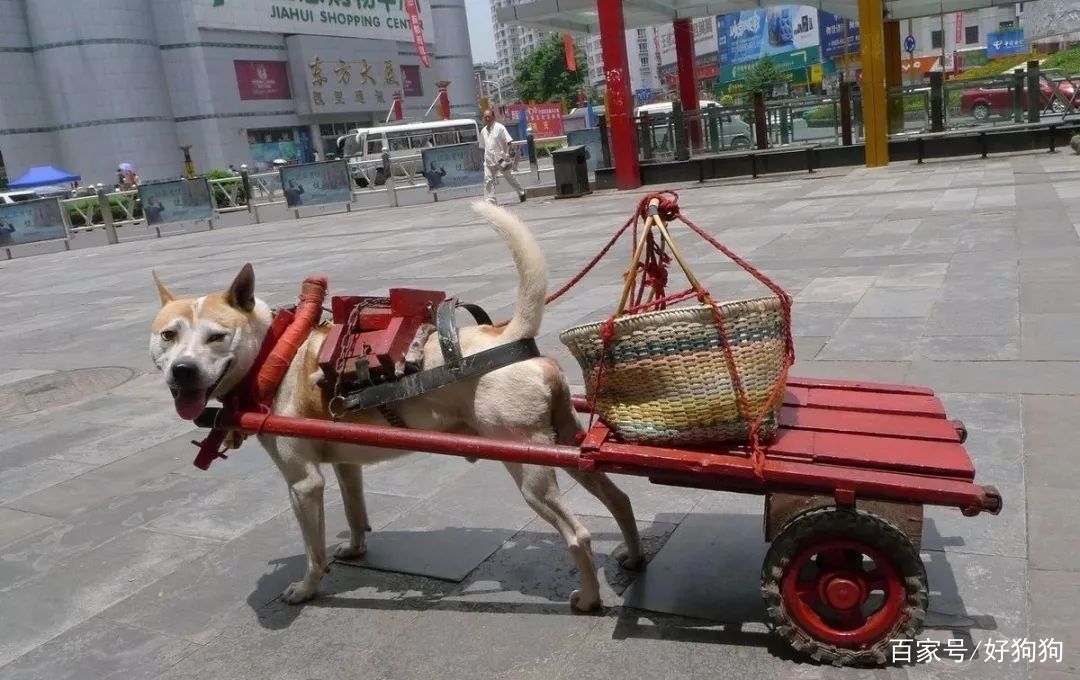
[(118, 559)]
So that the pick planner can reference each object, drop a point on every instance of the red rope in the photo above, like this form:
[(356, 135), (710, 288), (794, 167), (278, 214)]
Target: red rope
[(655, 277)]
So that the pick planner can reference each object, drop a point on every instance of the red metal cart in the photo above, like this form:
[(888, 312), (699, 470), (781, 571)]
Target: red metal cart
[(845, 481)]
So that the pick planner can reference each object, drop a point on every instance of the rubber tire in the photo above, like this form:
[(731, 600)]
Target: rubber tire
[(984, 108), (739, 142), (820, 525)]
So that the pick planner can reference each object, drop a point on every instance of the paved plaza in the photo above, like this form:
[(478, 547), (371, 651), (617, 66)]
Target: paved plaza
[(119, 559)]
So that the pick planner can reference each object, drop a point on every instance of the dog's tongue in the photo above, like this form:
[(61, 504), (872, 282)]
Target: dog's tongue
[(190, 403)]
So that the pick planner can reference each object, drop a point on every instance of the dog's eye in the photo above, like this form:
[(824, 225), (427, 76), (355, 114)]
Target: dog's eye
[(168, 336), (215, 337)]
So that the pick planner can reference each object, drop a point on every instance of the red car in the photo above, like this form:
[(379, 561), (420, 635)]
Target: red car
[(981, 102)]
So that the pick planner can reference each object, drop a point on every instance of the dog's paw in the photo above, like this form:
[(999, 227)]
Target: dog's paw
[(347, 551), (627, 559), (298, 592), (581, 602)]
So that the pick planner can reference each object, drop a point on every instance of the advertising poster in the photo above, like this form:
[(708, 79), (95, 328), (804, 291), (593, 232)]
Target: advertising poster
[(182, 200), (411, 86), (544, 119), (262, 79), (450, 167), (747, 36), (590, 139), (315, 183), (838, 36), (1004, 43), (31, 222)]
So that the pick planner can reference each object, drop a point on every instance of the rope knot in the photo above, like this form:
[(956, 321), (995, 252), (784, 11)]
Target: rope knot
[(607, 331)]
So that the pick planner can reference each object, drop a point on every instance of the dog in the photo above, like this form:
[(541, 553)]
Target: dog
[(205, 346)]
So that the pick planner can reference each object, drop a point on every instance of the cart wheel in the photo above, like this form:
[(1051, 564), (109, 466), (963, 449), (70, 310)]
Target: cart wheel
[(840, 584)]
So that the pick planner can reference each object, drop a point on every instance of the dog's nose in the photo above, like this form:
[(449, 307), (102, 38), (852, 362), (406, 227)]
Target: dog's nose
[(185, 374)]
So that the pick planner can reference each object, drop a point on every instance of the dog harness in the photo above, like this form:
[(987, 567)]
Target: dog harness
[(370, 359)]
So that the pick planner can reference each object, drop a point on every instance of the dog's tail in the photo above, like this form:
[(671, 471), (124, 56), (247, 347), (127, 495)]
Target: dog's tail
[(531, 268)]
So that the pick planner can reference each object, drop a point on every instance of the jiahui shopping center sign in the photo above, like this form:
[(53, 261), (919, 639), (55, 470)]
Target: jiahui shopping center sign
[(373, 19)]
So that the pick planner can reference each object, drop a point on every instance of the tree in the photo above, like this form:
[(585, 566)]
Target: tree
[(762, 76), (543, 76)]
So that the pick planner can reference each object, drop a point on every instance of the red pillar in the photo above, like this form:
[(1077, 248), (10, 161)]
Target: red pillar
[(619, 111), (686, 67), (444, 99), (398, 108)]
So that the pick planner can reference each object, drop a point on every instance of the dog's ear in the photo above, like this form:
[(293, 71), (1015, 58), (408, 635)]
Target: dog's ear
[(164, 293), (241, 293)]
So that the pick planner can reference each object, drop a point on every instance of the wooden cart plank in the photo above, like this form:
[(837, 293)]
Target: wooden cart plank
[(872, 423)]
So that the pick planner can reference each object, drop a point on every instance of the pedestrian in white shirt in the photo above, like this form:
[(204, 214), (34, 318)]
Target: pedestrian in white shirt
[(496, 143)]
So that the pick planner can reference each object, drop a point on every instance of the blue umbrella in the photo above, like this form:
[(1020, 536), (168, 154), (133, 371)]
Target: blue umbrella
[(43, 175)]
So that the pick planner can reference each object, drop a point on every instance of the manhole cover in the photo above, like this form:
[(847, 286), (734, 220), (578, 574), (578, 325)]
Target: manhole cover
[(57, 389)]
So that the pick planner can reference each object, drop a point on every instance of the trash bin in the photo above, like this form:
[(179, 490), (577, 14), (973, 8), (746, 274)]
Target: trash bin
[(571, 172)]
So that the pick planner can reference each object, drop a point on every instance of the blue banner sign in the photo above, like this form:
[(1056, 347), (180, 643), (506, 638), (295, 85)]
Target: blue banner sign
[(31, 222), (1004, 43), (450, 167), (182, 200), (315, 183), (839, 36), (747, 36)]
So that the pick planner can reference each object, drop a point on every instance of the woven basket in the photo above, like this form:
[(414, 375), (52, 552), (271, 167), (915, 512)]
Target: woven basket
[(665, 376)]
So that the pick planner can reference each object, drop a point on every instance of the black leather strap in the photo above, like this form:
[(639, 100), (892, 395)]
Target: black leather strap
[(477, 312), (446, 327), (418, 383)]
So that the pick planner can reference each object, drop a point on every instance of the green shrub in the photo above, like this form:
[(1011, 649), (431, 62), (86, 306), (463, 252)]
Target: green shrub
[(1066, 60), (118, 213)]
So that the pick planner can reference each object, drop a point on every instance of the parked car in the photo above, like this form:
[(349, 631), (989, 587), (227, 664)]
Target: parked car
[(983, 102), (734, 132)]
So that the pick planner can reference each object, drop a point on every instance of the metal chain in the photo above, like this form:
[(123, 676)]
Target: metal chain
[(345, 344)]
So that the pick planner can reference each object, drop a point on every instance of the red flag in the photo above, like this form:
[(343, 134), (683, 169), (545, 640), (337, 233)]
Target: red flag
[(568, 49), (413, 11)]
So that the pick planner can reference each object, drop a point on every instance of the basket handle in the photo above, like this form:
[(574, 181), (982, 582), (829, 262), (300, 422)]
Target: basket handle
[(654, 219)]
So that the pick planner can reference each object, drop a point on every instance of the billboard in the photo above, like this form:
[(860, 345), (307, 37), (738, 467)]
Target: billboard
[(410, 81), (544, 119), (316, 183), (838, 35), (1004, 43), (31, 222), (747, 36), (262, 79), (182, 200), (794, 65), (450, 167), (373, 19)]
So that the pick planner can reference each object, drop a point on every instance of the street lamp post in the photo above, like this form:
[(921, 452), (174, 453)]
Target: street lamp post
[(498, 89)]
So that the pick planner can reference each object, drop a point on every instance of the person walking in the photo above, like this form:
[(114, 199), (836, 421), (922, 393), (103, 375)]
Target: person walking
[(496, 143)]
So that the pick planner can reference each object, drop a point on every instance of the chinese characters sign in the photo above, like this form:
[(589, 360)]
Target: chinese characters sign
[(31, 222), (838, 35), (450, 167), (315, 183), (335, 83), (262, 79), (1003, 43), (546, 120), (182, 200), (747, 36), (375, 19)]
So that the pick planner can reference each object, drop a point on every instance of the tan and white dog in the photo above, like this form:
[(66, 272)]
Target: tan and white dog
[(205, 346)]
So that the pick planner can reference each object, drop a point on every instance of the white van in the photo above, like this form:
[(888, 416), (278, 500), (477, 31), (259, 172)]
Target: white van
[(363, 147), (735, 133)]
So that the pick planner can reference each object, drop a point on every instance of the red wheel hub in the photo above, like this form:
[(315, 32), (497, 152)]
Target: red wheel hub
[(831, 592)]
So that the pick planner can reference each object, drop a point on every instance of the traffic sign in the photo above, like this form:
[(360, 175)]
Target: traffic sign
[(909, 43)]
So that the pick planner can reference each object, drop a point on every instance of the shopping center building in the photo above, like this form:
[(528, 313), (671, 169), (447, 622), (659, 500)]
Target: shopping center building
[(88, 85)]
